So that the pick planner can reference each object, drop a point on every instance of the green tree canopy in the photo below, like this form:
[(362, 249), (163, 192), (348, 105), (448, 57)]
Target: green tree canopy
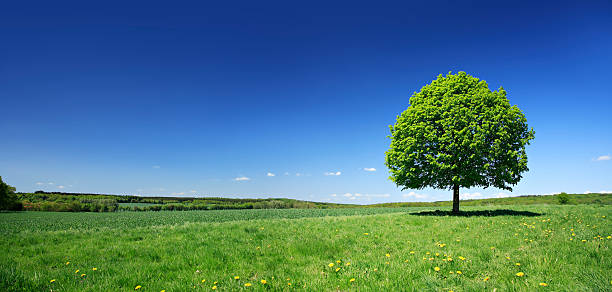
[(8, 199), (458, 133)]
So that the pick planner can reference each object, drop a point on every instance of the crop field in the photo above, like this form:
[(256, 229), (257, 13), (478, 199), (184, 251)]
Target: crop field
[(508, 248)]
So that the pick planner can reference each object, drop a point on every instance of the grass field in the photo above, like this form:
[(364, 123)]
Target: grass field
[(566, 248)]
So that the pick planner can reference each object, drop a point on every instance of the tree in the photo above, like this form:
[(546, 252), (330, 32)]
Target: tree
[(8, 199), (458, 133)]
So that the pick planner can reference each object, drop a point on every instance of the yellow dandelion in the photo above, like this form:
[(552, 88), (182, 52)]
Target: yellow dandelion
[(543, 284), (83, 275), (289, 284), (366, 233), (203, 280), (520, 274), (137, 287), (437, 269), (352, 280), (67, 263), (609, 237), (264, 282), (485, 279), (462, 258), (388, 255), (412, 252), (518, 264), (347, 264), (331, 265), (459, 272), (214, 287), (162, 291), (247, 285), (449, 259), (215, 283), (437, 254), (337, 269), (584, 240), (338, 261), (76, 272), (94, 269), (236, 278), (52, 280)]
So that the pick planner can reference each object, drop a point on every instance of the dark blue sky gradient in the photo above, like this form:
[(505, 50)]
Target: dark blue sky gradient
[(183, 97)]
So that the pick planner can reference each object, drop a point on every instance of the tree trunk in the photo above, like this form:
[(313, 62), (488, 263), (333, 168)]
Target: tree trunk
[(455, 199)]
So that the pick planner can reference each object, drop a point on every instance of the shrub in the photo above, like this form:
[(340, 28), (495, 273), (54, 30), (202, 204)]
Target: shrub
[(563, 198)]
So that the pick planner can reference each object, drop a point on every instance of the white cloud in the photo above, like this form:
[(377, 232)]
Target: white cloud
[(60, 187), (333, 195), (39, 183), (156, 166), (193, 191), (369, 169), (470, 195), (242, 178), (270, 174), (367, 196), (298, 174), (333, 173), (178, 194), (605, 192), (603, 157), (414, 195), (286, 173), (51, 183)]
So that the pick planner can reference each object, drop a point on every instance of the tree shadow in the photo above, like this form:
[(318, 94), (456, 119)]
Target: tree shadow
[(483, 213)]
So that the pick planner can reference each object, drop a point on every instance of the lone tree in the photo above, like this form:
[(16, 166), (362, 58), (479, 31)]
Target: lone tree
[(458, 133)]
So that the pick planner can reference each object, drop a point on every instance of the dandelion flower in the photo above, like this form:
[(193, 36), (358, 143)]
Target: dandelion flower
[(462, 258), (520, 274), (338, 261), (247, 285), (485, 279), (203, 280), (437, 269), (264, 282), (331, 265), (388, 255), (347, 264), (137, 287), (83, 275), (518, 264), (412, 252), (459, 272), (366, 233), (337, 269), (67, 263), (94, 269), (162, 291), (236, 278), (214, 287), (53, 280), (215, 283), (543, 284), (288, 284), (352, 280)]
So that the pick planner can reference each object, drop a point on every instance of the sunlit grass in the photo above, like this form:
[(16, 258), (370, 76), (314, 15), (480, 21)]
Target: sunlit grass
[(566, 248)]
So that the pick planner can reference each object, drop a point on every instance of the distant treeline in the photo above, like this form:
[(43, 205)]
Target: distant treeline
[(80, 202), (77, 202)]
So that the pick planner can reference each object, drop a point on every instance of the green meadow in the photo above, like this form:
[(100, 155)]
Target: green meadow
[(502, 248)]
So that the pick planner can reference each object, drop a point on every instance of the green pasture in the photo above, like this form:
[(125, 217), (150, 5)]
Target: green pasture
[(508, 248)]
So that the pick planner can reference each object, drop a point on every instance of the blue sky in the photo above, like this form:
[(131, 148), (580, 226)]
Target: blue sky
[(213, 98)]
